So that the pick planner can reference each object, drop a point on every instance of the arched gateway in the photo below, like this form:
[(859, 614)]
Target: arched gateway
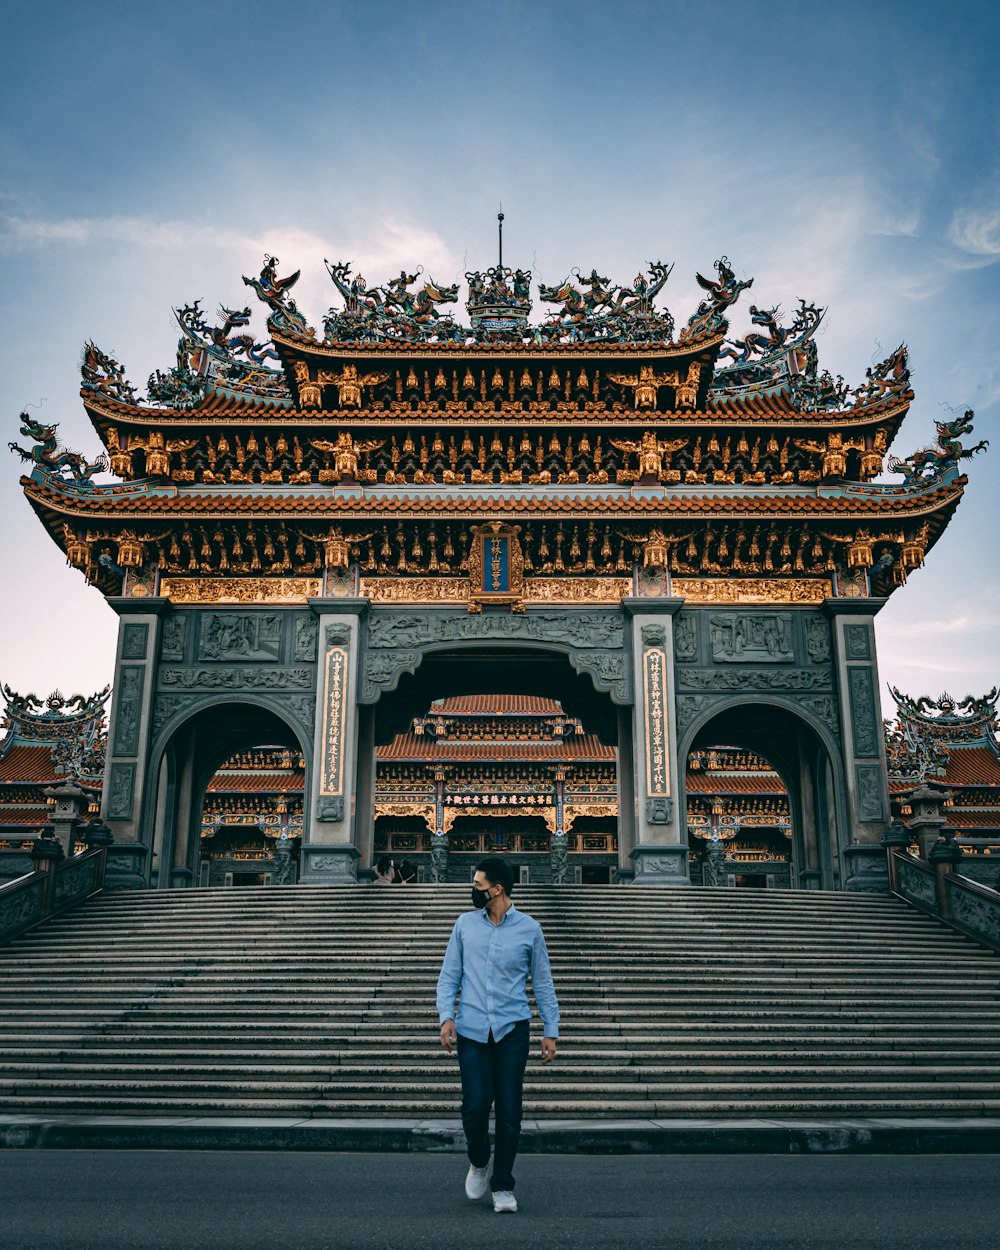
[(679, 531)]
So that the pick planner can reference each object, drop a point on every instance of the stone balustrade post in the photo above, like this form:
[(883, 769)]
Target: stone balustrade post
[(46, 853), (97, 836), (896, 839), (943, 856)]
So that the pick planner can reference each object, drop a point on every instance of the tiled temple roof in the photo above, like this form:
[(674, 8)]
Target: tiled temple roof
[(245, 782), (723, 783), (496, 705), (869, 503), (580, 749), (28, 765)]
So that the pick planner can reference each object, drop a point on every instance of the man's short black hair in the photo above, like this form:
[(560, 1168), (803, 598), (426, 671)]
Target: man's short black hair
[(497, 872)]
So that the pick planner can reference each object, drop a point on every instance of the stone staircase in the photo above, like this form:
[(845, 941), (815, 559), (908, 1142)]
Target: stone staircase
[(319, 1002)]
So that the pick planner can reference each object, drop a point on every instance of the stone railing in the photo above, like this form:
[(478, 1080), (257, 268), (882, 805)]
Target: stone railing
[(932, 885), (56, 884)]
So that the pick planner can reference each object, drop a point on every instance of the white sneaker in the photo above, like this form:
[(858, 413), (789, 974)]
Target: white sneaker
[(504, 1200), (477, 1182)]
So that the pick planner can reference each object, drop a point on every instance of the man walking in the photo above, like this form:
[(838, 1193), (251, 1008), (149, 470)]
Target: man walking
[(492, 952)]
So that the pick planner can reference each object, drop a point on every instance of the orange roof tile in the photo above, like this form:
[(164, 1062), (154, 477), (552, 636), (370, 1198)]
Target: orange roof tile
[(496, 705), (245, 782), (585, 747), (26, 765), (33, 816), (972, 766), (699, 782), (959, 819)]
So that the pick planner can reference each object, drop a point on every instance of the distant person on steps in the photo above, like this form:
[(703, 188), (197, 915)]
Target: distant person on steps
[(492, 952)]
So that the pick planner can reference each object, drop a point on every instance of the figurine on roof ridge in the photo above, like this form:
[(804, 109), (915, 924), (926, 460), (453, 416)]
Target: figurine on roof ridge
[(50, 458), (608, 311), (930, 462), (709, 316), (273, 291)]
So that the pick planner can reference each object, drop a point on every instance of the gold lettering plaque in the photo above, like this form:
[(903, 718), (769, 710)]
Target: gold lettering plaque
[(239, 589)]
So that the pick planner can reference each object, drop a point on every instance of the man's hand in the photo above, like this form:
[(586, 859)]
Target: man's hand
[(548, 1048), (448, 1035)]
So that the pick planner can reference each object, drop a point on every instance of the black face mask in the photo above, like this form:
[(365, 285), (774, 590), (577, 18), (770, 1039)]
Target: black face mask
[(480, 897)]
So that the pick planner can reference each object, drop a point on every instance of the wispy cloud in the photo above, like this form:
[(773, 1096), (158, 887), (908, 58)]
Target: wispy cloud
[(977, 232)]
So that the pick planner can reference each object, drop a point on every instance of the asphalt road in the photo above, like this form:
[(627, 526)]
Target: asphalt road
[(192, 1200)]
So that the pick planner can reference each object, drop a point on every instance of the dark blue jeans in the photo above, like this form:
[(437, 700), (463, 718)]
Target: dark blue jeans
[(493, 1072)]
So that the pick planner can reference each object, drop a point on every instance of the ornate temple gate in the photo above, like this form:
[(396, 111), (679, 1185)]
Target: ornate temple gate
[(689, 521)]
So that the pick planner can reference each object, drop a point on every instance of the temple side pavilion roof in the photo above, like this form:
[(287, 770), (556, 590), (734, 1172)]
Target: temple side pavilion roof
[(626, 452)]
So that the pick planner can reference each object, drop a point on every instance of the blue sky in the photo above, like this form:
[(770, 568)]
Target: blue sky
[(847, 153)]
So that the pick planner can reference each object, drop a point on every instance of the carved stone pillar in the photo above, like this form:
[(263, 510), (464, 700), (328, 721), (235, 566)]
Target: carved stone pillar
[(864, 867), (129, 734), (331, 847), (660, 848)]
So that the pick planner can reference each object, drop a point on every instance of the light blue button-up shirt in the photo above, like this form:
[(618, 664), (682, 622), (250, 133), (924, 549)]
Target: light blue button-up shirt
[(490, 963)]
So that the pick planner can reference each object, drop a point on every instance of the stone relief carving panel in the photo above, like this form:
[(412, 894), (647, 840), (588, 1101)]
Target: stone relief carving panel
[(121, 788), (864, 726), (975, 911), (306, 635), (818, 639), (134, 641), (686, 638), (328, 807), (174, 638), (753, 679), (869, 787), (128, 709), (236, 678), (752, 637), (659, 811), (164, 707), (407, 629), (304, 707), (857, 642), (661, 865), (916, 884), (240, 636)]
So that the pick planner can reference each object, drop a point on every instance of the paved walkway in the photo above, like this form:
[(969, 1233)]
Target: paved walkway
[(124, 1200)]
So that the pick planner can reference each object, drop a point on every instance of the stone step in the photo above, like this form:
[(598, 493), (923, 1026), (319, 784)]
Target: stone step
[(570, 1053), (806, 1108), (375, 1086), (158, 1008), (575, 995), (436, 1069), (185, 1003)]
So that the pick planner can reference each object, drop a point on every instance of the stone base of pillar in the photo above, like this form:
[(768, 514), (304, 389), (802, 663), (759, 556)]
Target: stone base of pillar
[(865, 869), (810, 879), (335, 864), (126, 867), (660, 865), (180, 877)]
